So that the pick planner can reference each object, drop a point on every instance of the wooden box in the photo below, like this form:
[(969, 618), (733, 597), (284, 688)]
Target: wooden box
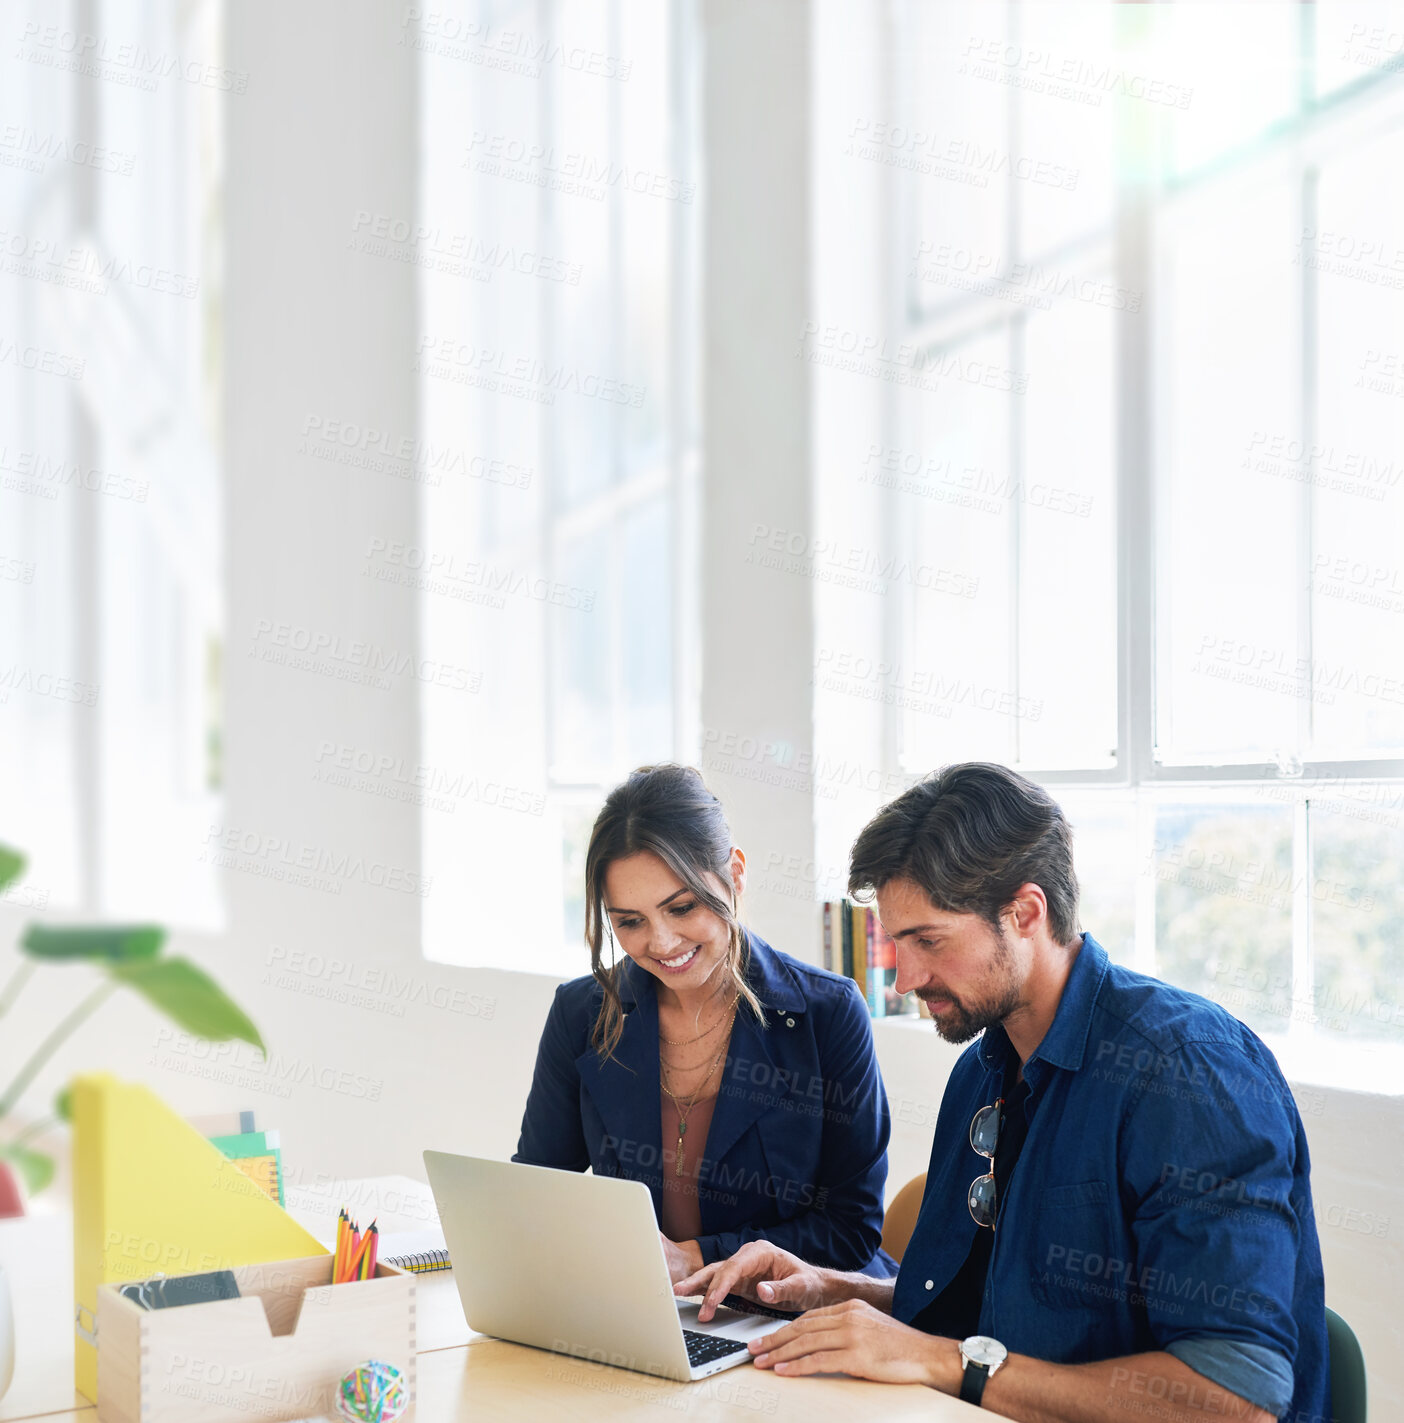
[(277, 1352)]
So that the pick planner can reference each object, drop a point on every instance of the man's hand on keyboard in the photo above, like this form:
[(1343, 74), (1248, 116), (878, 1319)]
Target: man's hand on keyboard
[(758, 1271)]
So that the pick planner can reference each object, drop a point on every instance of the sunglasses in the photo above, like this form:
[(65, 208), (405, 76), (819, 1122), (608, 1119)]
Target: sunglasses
[(984, 1137)]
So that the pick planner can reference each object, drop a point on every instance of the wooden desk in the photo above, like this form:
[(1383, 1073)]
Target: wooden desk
[(489, 1379), (481, 1379)]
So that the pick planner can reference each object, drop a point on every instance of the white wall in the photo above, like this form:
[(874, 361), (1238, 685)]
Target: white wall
[(325, 130), (758, 621)]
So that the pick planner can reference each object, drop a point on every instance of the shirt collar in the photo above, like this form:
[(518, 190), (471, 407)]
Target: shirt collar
[(1065, 1042), (769, 976)]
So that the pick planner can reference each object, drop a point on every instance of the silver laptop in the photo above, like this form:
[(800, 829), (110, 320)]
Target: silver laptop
[(573, 1263)]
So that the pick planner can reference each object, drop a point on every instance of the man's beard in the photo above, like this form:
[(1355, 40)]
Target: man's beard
[(962, 1021)]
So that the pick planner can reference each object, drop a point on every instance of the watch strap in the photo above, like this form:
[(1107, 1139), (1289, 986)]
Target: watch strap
[(973, 1380)]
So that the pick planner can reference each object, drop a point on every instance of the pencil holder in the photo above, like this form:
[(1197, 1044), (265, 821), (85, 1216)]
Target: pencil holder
[(277, 1352)]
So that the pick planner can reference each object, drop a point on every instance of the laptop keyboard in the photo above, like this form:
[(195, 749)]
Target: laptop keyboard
[(707, 1348)]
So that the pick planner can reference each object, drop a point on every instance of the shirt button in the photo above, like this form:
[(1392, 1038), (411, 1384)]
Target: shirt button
[(789, 1022), (931, 1284)]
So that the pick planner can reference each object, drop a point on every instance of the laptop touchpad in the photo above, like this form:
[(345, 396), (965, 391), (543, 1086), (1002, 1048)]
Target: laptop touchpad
[(730, 1323)]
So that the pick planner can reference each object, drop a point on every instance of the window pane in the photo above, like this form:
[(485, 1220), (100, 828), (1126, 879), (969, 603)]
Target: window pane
[(1223, 911), (1355, 39), (481, 282), (647, 218), (1358, 917), (1236, 69), (576, 195), (1061, 160), (1357, 560), (943, 141), (955, 513), (1108, 863), (583, 648), (1066, 508), (646, 634), (40, 646), (110, 576), (580, 341), (577, 821), (1228, 477)]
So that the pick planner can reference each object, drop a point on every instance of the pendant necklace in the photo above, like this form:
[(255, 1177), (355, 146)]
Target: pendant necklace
[(684, 1111)]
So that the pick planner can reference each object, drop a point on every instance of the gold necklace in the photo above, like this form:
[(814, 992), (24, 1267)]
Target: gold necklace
[(688, 1042), (685, 1112)]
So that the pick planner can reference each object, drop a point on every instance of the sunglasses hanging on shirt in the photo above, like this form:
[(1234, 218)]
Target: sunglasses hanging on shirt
[(984, 1138)]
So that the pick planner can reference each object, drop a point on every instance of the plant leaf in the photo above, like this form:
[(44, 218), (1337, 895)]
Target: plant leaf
[(11, 865), (189, 997), (36, 1168), (115, 943), (63, 1104)]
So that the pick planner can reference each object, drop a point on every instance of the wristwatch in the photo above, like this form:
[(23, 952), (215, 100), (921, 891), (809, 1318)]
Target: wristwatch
[(982, 1357)]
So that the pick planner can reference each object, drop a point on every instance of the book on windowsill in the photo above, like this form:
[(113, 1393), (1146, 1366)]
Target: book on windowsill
[(860, 949)]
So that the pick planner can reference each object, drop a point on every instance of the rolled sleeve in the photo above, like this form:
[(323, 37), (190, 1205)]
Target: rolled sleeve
[(1259, 1376), (1209, 1167)]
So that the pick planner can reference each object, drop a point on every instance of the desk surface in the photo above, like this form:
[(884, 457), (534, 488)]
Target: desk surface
[(481, 1378), (489, 1379)]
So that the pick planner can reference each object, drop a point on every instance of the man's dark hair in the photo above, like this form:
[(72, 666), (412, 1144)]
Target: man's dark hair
[(969, 835)]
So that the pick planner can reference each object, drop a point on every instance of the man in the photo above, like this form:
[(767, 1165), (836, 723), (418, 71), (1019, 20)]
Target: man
[(1117, 1219)]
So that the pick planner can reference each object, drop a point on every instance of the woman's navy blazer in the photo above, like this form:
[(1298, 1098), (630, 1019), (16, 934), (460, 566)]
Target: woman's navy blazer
[(797, 1150)]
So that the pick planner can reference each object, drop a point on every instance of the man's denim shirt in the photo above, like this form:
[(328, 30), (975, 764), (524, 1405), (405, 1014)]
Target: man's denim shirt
[(1162, 1200)]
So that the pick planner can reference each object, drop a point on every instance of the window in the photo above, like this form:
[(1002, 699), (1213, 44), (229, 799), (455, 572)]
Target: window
[(1151, 280), (111, 620), (556, 247)]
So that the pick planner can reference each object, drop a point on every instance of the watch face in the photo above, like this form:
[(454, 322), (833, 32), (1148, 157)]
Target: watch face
[(981, 1349)]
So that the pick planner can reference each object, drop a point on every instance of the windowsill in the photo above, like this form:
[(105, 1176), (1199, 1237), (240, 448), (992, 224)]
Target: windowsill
[(1362, 1066), (548, 975), (905, 1020)]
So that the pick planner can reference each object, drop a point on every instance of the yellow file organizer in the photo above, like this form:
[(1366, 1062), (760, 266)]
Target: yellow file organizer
[(150, 1194), (276, 1352)]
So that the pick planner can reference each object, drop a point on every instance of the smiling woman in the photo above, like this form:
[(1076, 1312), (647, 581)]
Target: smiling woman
[(662, 836), (738, 1083)]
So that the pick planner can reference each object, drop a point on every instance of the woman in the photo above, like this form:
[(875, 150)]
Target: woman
[(738, 1083)]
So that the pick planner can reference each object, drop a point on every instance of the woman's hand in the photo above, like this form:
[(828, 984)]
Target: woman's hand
[(760, 1272), (683, 1259)]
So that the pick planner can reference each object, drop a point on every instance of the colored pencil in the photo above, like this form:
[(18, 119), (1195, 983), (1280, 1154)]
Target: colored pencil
[(368, 1272), (359, 1245), (355, 1254)]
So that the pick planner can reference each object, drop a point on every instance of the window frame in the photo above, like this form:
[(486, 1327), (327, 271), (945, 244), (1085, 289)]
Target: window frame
[(640, 475), (181, 465), (1128, 251), (670, 472)]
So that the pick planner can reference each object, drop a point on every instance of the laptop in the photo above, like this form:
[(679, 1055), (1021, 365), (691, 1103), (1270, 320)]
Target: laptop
[(574, 1263)]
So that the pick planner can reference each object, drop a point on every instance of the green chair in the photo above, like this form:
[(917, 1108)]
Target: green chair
[(1347, 1371)]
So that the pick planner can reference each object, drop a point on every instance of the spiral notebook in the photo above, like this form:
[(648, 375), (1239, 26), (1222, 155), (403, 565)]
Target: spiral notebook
[(418, 1251)]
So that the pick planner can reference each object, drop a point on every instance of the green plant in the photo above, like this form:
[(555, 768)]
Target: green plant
[(128, 956)]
